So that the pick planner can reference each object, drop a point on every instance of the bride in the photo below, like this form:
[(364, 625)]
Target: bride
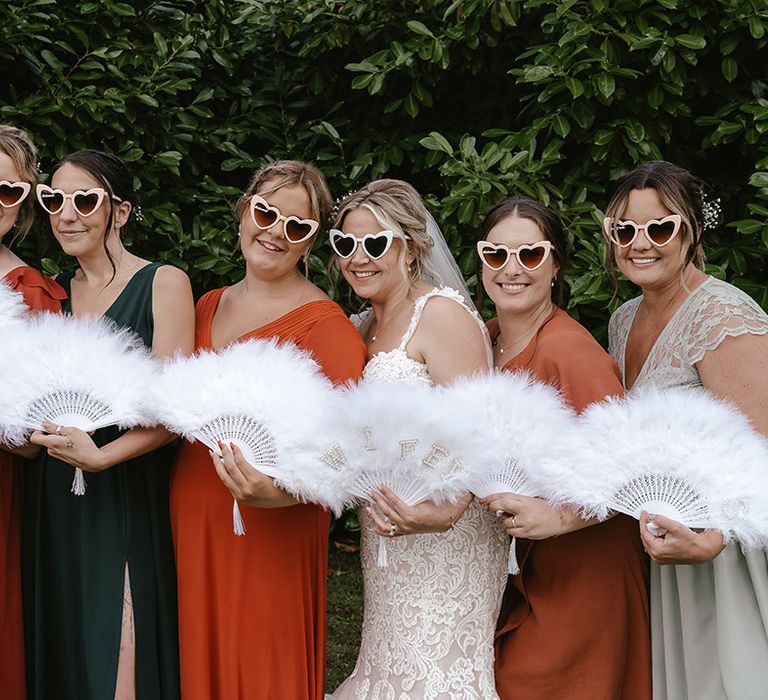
[(430, 615)]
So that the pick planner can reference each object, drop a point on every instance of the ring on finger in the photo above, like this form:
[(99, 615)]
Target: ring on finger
[(393, 529), (58, 430), (499, 513), (514, 524)]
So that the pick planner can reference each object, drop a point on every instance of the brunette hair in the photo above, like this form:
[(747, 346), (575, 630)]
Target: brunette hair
[(112, 175), (17, 145), (550, 225), (679, 191)]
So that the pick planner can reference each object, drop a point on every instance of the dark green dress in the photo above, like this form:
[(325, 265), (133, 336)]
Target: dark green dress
[(74, 556)]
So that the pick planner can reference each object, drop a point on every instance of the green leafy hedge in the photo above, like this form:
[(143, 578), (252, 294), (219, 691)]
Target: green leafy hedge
[(468, 99)]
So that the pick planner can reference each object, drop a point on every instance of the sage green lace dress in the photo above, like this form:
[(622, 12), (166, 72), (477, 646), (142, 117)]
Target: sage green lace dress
[(709, 622)]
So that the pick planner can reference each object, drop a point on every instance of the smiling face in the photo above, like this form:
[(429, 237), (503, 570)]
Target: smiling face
[(267, 252), (377, 280), (513, 289), (8, 215), (84, 235), (647, 265)]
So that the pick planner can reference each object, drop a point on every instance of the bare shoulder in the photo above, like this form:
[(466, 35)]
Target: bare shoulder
[(445, 312), (314, 293), (171, 279)]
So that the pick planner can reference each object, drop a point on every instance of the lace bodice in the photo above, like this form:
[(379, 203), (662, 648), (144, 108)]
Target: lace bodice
[(714, 311), (430, 615), (395, 365)]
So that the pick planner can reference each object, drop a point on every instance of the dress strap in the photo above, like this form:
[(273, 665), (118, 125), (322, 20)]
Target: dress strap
[(418, 310)]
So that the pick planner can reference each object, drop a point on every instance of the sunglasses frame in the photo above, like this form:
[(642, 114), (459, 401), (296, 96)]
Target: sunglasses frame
[(100, 191), (609, 228), (258, 199), (360, 241), (483, 245), (25, 186)]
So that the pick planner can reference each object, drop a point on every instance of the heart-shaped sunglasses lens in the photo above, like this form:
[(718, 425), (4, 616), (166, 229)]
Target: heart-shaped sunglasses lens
[(531, 258), (495, 258), (661, 232), (343, 246), (263, 215), (12, 193), (376, 247), (297, 231)]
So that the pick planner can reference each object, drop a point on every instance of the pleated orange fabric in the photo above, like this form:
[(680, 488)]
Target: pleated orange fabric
[(40, 293), (575, 622), (252, 608)]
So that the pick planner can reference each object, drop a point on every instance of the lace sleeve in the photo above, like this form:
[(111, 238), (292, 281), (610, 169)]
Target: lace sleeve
[(725, 311), (619, 325)]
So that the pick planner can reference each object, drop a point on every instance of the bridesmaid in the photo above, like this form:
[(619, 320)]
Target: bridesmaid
[(18, 177), (709, 621), (252, 608), (99, 582), (574, 622)]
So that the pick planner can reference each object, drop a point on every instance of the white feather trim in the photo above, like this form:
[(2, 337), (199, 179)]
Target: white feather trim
[(527, 421), (685, 435), (408, 436), (274, 393), (76, 365), (13, 310)]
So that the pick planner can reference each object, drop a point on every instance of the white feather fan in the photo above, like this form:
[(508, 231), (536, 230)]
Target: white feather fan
[(678, 452), (408, 437), (13, 310), (269, 399), (527, 420), (76, 372)]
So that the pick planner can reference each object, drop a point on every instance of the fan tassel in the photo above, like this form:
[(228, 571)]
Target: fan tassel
[(78, 483), (513, 568), (382, 560), (237, 520)]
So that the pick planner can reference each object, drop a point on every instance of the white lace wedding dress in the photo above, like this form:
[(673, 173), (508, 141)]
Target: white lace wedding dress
[(430, 615), (709, 622)]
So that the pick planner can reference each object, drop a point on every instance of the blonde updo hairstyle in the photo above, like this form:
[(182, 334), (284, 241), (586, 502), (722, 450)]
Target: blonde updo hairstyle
[(397, 206), (679, 191), (17, 145), (281, 173)]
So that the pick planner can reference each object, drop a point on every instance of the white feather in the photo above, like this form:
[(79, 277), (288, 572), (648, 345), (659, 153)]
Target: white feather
[(270, 398), (527, 420), (679, 450), (64, 367), (13, 310), (408, 436)]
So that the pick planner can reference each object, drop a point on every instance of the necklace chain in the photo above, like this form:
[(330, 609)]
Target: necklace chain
[(395, 314)]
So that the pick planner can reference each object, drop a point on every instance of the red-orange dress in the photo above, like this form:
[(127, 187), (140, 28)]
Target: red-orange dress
[(42, 293), (252, 608), (575, 622)]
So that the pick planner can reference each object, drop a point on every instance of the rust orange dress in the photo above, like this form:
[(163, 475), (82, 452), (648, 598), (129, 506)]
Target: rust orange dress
[(575, 622), (41, 293), (252, 608)]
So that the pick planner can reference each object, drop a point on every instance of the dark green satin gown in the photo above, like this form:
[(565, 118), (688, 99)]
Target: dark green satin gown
[(75, 550)]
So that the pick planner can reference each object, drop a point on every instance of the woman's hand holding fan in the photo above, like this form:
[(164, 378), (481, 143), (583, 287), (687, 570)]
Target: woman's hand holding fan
[(527, 421)]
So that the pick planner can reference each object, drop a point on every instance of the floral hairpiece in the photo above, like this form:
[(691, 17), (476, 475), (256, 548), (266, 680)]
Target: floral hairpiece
[(711, 211), (337, 205)]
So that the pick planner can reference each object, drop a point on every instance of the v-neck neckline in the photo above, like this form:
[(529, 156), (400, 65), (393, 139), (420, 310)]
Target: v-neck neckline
[(656, 342), (117, 298)]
